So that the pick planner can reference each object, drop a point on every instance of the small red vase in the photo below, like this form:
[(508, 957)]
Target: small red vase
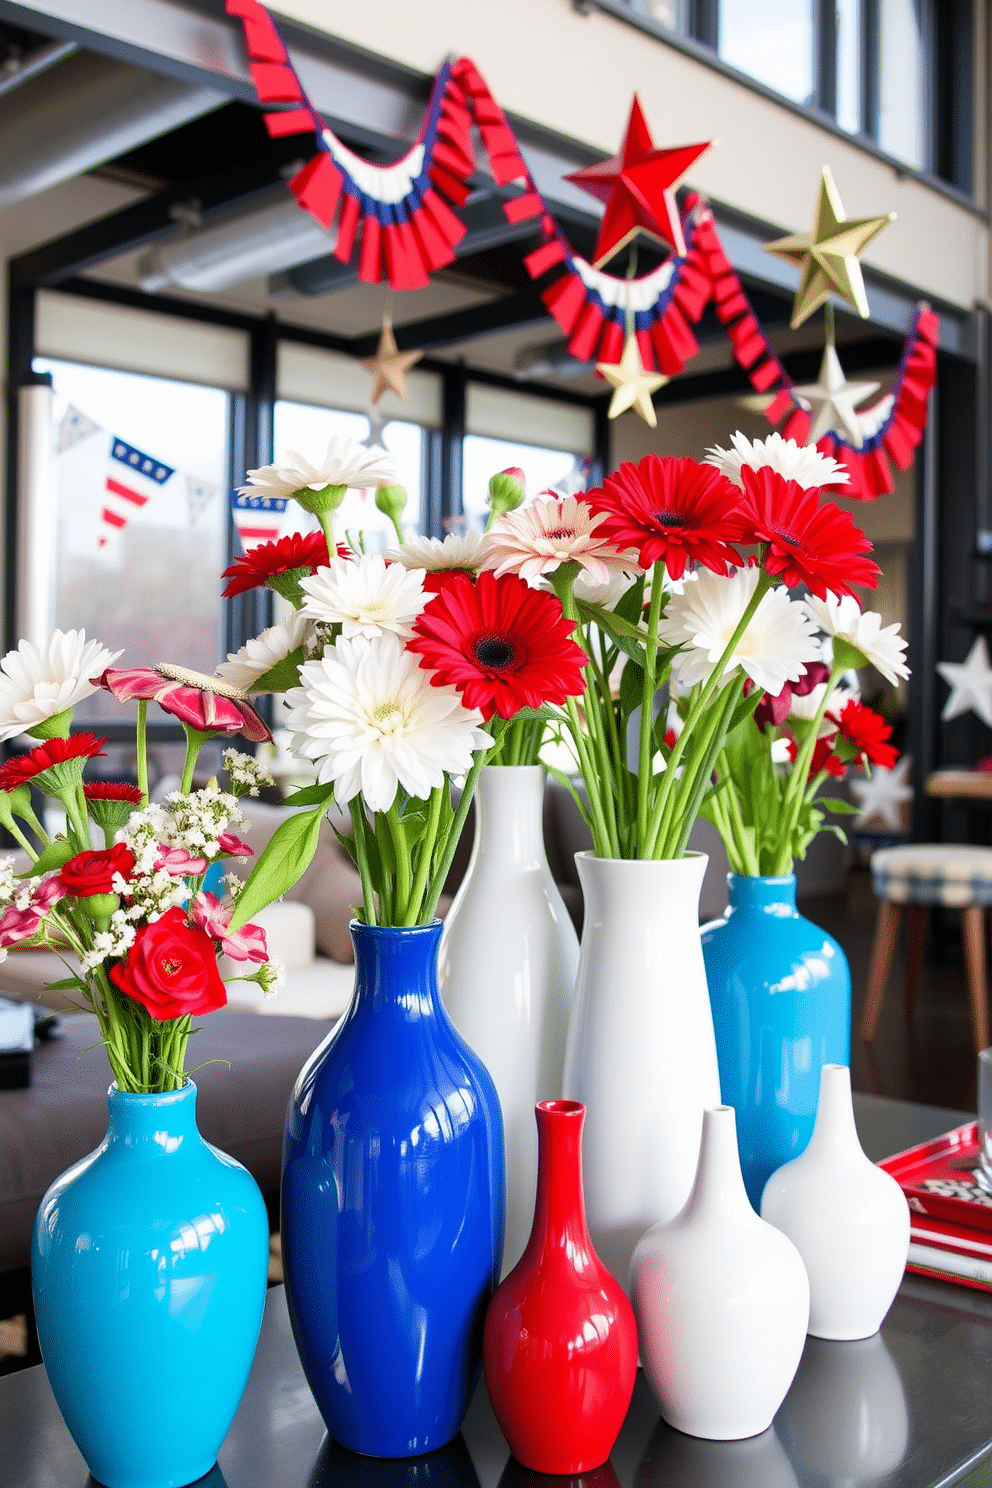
[(560, 1343)]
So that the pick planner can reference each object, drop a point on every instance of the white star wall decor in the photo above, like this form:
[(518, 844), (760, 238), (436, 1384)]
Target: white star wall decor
[(970, 682), (883, 795)]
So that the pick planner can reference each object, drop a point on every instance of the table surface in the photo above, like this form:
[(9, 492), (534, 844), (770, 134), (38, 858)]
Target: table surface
[(965, 785), (909, 1408)]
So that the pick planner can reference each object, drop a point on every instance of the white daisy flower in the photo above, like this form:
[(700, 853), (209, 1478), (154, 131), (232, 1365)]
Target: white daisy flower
[(368, 597), (808, 706), (536, 539), (774, 649), (607, 594), (880, 645), (346, 463), (461, 553), (367, 713), (243, 668), (36, 682), (802, 463)]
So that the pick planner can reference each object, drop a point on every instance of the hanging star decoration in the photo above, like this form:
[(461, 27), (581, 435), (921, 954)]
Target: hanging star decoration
[(828, 256), (832, 401), (638, 188), (389, 366), (632, 385), (970, 682), (882, 796), (377, 422)]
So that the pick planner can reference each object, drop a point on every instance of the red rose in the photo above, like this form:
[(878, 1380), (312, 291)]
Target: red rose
[(93, 872), (171, 969)]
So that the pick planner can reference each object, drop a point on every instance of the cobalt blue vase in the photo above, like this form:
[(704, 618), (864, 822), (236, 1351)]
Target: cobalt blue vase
[(392, 1206), (149, 1267), (780, 990)]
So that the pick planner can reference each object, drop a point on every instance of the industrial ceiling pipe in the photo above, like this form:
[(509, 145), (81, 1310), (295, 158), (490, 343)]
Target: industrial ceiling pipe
[(82, 112)]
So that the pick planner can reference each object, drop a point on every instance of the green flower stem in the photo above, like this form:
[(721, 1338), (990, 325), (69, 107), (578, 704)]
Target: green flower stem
[(195, 741), (401, 854), (703, 776), (26, 814), (669, 838), (645, 752), (326, 520), (605, 841), (427, 846), (75, 822), (747, 858), (795, 789), (454, 833), (360, 827), (141, 739), (16, 833)]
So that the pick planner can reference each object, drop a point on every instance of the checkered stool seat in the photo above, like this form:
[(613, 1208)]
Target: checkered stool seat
[(922, 875), (933, 873)]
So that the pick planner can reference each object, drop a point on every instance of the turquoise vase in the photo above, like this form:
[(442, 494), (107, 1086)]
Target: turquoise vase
[(149, 1267), (392, 1206), (780, 990)]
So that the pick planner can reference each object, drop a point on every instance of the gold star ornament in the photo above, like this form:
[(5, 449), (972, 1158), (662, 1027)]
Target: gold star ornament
[(828, 255), (389, 366), (632, 385)]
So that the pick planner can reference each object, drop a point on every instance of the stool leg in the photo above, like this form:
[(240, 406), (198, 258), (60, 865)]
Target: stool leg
[(973, 936), (881, 960), (916, 940)]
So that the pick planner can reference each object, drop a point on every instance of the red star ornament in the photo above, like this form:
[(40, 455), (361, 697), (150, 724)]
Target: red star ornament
[(638, 187)]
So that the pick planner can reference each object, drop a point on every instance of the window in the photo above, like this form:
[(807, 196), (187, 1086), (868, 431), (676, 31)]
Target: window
[(774, 42), (482, 458), (549, 440)]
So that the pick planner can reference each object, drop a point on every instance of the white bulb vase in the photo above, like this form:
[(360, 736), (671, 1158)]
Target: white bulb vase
[(506, 970), (848, 1219), (641, 1054), (721, 1301)]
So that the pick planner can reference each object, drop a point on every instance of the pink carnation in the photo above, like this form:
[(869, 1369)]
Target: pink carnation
[(47, 893), (212, 916), (18, 924)]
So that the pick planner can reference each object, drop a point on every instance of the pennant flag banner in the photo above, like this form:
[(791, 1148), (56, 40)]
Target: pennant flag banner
[(258, 519), (132, 480), (403, 221), (199, 495), (74, 427)]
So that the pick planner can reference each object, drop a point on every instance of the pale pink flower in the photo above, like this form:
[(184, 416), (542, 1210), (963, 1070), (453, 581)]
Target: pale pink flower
[(228, 843), (537, 539), (213, 916), (47, 893), (18, 924), (179, 862)]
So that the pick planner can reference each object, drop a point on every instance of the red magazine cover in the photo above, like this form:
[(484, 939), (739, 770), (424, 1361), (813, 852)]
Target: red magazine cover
[(951, 1213)]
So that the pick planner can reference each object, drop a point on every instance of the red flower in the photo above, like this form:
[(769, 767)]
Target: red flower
[(48, 756), (504, 645), (805, 540), (111, 790), (868, 732), (93, 872), (205, 703), (298, 554), (823, 758), (18, 924), (775, 708), (171, 969), (669, 508)]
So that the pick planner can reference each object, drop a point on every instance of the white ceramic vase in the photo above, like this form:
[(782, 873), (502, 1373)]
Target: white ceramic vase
[(506, 970), (848, 1219), (641, 1055), (721, 1301)]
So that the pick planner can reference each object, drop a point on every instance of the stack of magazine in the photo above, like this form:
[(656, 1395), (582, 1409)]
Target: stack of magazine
[(950, 1210)]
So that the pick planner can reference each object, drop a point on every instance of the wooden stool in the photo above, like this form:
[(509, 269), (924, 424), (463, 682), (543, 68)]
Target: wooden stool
[(923, 875)]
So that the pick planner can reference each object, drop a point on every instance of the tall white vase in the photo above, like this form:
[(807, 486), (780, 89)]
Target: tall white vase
[(506, 970), (641, 1054)]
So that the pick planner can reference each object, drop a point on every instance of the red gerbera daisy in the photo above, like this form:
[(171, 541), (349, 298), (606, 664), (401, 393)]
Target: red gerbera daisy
[(823, 758), (670, 508), (805, 540), (53, 765), (868, 732), (504, 645), (110, 802), (279, 565), (207, 704)]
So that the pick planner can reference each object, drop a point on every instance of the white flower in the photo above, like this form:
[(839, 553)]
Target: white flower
[(368, 598), (880, 645), (607, 595), (807, 707), (538, 538), (368, 713), (248, 775), (38, 682), (243, 668), (347, 463), (781, 750), (779, 639), (802, 463), (430, 553)]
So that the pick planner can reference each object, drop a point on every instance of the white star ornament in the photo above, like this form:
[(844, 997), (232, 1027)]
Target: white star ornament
[(970, 682), (832, 400), (882, 795)]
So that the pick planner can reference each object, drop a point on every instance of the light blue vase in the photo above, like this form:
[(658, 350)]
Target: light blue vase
[(392, 1206), (149, 1267), (780, 990)]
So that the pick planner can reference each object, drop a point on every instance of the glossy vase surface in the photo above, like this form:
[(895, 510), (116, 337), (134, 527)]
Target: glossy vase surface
[(780, 990), (641, 1056), (721, 1300), (149, 1266), (506, 970), (847, 1217), (392, 1206), (560, 1337)]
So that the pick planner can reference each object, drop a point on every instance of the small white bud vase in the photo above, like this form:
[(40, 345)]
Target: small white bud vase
[(721, 1301), (848, 1219)]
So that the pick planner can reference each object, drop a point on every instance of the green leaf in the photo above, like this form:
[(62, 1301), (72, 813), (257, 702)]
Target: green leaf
[(630, 605), (56, 855), (67, 984), (631, 688), (311, 795), (283, 861), (283, 675), (837, 803)]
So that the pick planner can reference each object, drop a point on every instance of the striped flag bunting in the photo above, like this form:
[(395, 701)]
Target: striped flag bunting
[(258, 519), (74, 427), (132, 480)]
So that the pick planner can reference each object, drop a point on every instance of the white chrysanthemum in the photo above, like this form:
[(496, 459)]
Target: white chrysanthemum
[(368, 597), (346, 463), (607, 595), (38, 682), (366, 711), (802, 463), (243, 668), (436, 556), (883, 646), (536, 539), (773, 650)]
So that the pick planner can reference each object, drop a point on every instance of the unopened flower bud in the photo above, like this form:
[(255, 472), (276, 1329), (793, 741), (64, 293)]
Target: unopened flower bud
[(391, 500), (506, 490)]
